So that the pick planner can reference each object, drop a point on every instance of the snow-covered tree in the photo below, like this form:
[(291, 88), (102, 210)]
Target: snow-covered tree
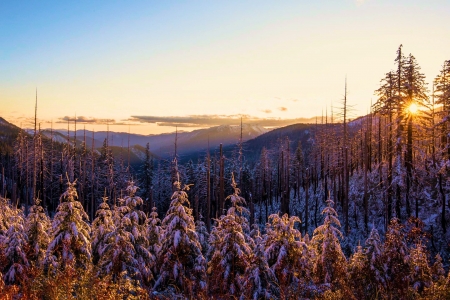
[(134, 221), (230, 252), (375, 270), (117, 257), (395, 259), (284, 250), (70, 233), (15, 244), (5, 213), (181, 261), (102, 226), (357, 273), (420, 273), (37, 224), (259, 281), (154, 233), (330, 262), (203, 235)]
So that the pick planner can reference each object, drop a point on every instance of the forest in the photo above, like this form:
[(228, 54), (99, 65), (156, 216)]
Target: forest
[(358, 210)]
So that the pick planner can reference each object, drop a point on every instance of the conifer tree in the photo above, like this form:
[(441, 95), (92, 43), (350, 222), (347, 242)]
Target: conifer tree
[(259, 281), (395, 258), (375, 270), (284, 250), (181, 261), (37, 225), (330, 262), (102, 226), (359, 279), (420, 273), (15, 245), (154, 233), (203, 235), (70, 233), (117, 258), (134, 222), (230, 252)]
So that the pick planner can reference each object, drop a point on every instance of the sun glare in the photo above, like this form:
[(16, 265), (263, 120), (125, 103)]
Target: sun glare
[(413, 108)]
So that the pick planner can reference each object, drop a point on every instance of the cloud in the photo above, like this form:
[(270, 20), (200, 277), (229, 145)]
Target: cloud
[(282, 108), (88, 120), (216, 120), (267, 111)]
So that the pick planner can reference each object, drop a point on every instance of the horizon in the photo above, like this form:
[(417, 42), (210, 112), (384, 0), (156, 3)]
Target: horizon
[(149, 67)]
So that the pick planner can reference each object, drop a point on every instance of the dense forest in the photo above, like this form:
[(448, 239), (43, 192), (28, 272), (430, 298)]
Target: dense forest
[(355, 209)]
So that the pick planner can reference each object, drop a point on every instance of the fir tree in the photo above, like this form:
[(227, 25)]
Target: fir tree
[(37, 224), (330, 262), (230, 252), (134, 221), (15, 245), (395, 258), (70, 233), (181, 261), (259, 281), (284, 250), (102, 226), (203, 235), (154, 233)]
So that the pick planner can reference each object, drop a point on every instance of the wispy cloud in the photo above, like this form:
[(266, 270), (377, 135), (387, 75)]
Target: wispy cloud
[(89, 120), (282, 108), (216, 120), (267, 111)]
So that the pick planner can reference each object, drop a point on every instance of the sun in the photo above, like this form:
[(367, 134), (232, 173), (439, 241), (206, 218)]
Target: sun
[(413, 108)]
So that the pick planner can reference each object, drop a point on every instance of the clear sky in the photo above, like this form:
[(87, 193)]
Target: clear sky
[(154, 64)]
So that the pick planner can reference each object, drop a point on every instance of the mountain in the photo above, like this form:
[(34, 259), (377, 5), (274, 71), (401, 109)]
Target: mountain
[(8, 134), (163, 145)]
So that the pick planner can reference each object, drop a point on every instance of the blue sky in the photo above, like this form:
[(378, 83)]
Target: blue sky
[(123, 60)]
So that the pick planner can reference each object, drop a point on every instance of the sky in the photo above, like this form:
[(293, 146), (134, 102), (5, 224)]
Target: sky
[(147, 66)]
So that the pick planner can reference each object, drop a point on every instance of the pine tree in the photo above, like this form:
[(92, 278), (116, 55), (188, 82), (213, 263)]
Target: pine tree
[(154, 233), (420, 276), (102, 226), (37, 225), (203, 235), (395, 258), (359, 279), (70, 233), (229, 251), (117, 258), (134, 221), (15, 244), (259, 281), (330, 262), (375, 271), (181, 261), (284, 250)]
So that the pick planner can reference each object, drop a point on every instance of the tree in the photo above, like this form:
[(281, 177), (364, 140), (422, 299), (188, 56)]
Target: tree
[(181, 261), (134, 222), (15, 244), (259, 281), (37, 224), (284, 250), (229, 250), (395, 258), (102, 226), (330, 262), (70, 233), (147, 177)]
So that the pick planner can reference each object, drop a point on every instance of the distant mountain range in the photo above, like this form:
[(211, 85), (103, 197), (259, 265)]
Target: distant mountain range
[(163, 145)]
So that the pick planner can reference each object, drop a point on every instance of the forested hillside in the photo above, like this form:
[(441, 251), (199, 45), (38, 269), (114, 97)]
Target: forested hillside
[(342, 209)]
